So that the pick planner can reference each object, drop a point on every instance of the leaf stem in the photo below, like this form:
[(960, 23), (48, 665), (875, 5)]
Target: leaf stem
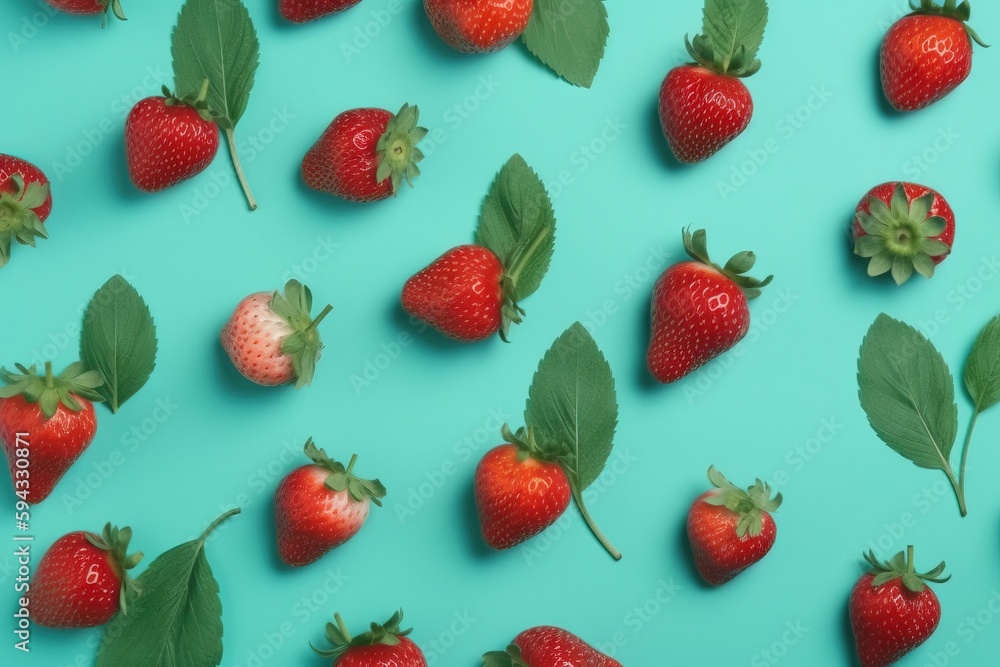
[(959, 492), (578, 497), (215, 524), (525, 257), (319, 318), (231, 140), (965, 450)]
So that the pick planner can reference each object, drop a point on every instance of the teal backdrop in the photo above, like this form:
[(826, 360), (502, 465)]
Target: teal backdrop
[(420, 411)]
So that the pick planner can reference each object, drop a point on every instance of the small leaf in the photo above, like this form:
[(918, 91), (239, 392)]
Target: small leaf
[(569, 37), (733, 25), (118, 340), (982, 370)]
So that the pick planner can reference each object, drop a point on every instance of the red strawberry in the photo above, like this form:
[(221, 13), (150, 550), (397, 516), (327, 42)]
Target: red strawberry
[(927, 54), (892, 610), (699, 310), (730, 529), (303, 11), (903, 227), (90, 7), (547, 646), (82, 580), (705, 105), (318, 507), (383, 645), (168, 140), (520, 490), (479, 26), (271, 338), (25, 203), (365, 154), (47, 420)]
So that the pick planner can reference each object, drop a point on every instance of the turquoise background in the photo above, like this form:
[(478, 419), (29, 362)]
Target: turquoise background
[(198, 438)]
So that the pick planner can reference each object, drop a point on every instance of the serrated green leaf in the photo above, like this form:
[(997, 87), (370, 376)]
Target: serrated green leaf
[(982, 370), (735, 24), (572, 400), (216, 40), (908, 393), (118, 340), (569, 37)]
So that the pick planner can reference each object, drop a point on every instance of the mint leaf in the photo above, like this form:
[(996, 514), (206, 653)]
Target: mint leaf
[(569, 37), (118, 340), (982, 370), (908, 393), (517, 223), (735, 29), (175, 620)]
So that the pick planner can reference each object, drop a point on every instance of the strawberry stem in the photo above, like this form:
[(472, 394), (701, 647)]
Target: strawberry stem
[(959, 491), (231, 140), (522, 260), (578, 497), (215, 524), (350, 466), (343, 626), (49, 380), (965, 458), (319, 318)]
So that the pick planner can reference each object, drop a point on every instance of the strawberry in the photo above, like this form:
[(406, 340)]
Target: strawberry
[(383, 645), (703, 106), (25, 203), (271, 339), (892, 609), (168, 140), (903, 227), (47, 420), (699, 310), (364, 154), (730, 529), (927, 54), (319, 507), (83, 580), (91, 7), (479, 26), (303, 11), (547, 646), (520, 490)]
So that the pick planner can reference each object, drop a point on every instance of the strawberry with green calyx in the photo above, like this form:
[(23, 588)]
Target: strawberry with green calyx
[(57, 416), (892, 609), (731, 529), (382, 645), (473, 291), (25, 203), (902, 228), (102, 7), (548, 646)]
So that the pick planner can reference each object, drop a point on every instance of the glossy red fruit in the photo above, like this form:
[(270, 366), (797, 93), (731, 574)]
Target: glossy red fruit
[(892, 609), (365, 154), (519, 493), (82, 580), (166, 142), (730, 529), (548, 646), (701, 111), (699, 310), (479, 26), (384, 645), (318, 507), (90, 7), (902, 228), (25, 204), (48, 421), (927, 54), (302, 11)]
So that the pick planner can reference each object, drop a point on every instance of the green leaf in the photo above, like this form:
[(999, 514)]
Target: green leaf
[(518, 224), (572, 401), (908, 393), (982, 370), (216, 40), (176, 618), (735, 28), (118, 340), (569, 37)]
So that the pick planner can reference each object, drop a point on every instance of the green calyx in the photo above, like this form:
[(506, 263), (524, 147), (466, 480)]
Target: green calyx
[(387, 634), (344, 479), (115, 541), (952, 10), (510, 311), (115, 7), (749, 505), (397, 151), (18, 220), (696, 246), (50, 391), (899, 237), (528, 445), (509, 658), (197, 102), (303, 345), (731, 35), (901, 566)]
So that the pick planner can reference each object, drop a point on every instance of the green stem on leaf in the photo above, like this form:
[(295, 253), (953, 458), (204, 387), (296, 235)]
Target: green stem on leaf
[(319, 318), (959, 491), (578, 497), (215, 524), (965, 452), (231, 139), (524, 258)]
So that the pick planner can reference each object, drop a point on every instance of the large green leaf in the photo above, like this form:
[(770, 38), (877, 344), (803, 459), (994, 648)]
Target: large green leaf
[(569, 36)]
